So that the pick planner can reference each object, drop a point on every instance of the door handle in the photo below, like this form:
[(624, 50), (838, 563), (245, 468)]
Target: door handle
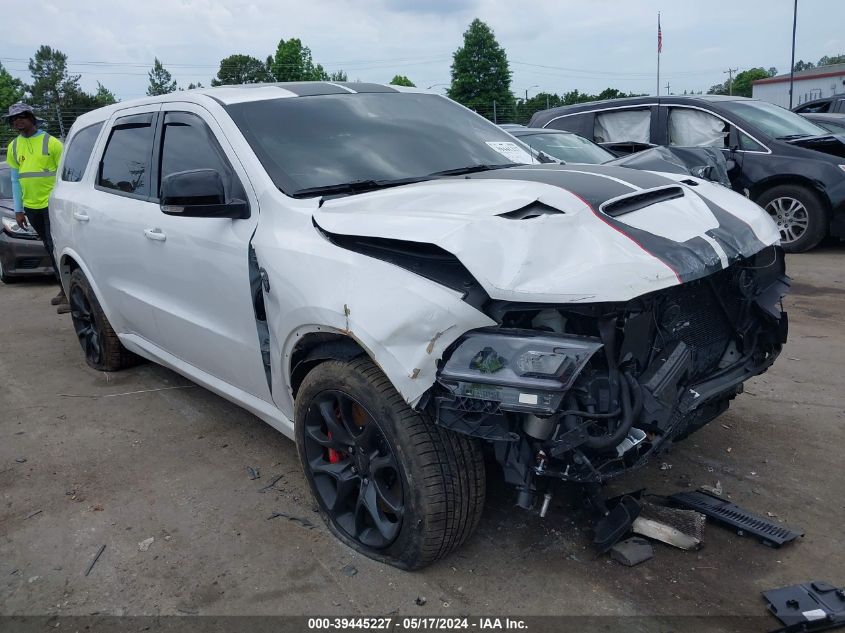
[(155, 234), (82, 217)]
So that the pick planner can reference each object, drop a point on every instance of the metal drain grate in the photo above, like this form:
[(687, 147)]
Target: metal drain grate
[(742, 521)]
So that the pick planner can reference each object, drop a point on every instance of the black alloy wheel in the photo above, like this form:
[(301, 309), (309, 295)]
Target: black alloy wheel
[(389, 482), (100, 343), (85, 325), (354, 469)]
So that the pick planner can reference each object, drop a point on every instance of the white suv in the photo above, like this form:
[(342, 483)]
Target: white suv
[(378, 274)]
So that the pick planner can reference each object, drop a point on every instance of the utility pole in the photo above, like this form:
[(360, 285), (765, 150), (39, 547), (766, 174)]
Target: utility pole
[(792, 66), (730, 73), (667, 88)]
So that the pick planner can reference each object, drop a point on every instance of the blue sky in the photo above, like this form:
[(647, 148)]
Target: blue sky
[(554, 45)]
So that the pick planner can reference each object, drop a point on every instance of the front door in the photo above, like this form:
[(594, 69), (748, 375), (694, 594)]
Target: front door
[(205, 311)]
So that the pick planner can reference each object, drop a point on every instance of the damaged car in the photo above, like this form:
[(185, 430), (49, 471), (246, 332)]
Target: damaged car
[(383, 276), (790, 166)]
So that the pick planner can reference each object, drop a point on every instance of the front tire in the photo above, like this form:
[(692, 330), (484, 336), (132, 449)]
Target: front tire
[(800, 215), (388, 481), (103, 349)]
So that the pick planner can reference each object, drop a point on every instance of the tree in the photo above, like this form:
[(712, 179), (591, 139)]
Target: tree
[(12, 90), (772, 71), (481, 75), (742, 82), (104, 96), (161, 82), (338, 76), (802, 65), (829, 60), (402, 80), (193, 86), (293, 62), (241, 69)]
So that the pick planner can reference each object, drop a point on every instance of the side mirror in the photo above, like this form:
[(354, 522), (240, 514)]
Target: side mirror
[(199, 193)]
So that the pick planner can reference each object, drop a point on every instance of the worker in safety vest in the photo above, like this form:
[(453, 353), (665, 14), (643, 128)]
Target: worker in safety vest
[(34, 158)]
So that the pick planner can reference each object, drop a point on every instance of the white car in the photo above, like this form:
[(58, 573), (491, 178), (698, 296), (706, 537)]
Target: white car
[(377, 273)]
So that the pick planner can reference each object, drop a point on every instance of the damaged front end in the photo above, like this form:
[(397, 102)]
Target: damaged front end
[(584, 392)]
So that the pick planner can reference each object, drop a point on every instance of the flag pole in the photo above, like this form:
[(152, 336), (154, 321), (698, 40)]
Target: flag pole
[(659, 35)]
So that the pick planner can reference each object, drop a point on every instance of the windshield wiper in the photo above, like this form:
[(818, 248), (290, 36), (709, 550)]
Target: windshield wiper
[(471, 169), (354, 186), (790, 137)]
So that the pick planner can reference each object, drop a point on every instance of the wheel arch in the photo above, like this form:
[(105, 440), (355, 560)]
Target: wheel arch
[(762, 186), (317, 347), (70, 261)]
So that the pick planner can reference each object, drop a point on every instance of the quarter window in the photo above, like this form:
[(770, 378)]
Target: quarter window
[(126, 161), (78, 152), (188, 144)]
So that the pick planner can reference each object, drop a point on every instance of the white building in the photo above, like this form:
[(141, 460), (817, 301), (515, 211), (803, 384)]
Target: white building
[(824, 81)]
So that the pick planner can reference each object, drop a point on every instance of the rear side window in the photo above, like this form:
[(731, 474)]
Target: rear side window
[(126, 162), (78, 152), (187, 144), (621, 126), (695, 128)]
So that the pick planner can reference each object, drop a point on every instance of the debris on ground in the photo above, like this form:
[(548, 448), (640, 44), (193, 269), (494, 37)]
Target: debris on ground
[(731, 515), (349, 570), (21, 460), (37, 512), (616, 523), (665, 466), (271, 484), (254, 473), (664, 533), (814, 606), (95, 559), (688, 522), (144, 545), (632, 551), (420, 601), (303, 522), (713, 490)]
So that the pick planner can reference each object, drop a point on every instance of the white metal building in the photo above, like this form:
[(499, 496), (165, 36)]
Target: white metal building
[(815, 83)]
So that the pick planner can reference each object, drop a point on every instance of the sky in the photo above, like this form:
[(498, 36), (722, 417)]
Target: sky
[(552, 45)]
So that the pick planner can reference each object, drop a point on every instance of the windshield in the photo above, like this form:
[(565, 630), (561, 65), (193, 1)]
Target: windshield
[(774, 120), (308, 143), (569, 148), (5, 183)]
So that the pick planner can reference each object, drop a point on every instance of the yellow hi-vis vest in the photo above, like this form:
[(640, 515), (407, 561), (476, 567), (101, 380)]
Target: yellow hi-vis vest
[(36, 158)]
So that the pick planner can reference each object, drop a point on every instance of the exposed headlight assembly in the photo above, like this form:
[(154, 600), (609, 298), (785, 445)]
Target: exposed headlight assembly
[(522, 370), (10, 226)]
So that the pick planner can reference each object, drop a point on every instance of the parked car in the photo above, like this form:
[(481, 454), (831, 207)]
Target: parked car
[(563, 146), (832, 122), (22, 253), (788, 165), (377, 273), (835, 103)]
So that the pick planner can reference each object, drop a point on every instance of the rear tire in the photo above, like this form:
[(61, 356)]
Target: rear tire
[(103, 349), (354, 431), (800, 214)]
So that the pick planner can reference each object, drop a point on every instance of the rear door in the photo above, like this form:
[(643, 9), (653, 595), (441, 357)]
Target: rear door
[(204, 305), (108, 229), (625, 130)]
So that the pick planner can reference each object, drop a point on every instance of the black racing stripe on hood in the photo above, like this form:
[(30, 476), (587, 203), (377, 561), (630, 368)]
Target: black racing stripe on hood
[(689, 260), (733, 234), (636, 177), (593, 189)]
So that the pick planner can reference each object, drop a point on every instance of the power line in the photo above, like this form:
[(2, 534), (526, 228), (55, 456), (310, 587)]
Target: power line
[(730, 73)]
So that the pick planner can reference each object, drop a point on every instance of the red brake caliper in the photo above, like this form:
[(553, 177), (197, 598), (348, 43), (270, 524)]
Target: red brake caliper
[(334, 455)]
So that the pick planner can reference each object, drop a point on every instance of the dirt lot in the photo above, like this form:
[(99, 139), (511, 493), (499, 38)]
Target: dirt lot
[(89, 459)]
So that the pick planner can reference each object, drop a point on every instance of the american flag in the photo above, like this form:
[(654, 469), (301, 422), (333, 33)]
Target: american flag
[(659, 36)]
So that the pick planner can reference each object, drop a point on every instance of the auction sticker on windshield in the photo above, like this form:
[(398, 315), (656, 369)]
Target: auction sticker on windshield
[(511, 151)]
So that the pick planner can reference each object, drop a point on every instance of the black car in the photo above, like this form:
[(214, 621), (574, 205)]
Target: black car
[(563, 146), (22, 252), (832, 122), (836, 103), (787, 164)]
